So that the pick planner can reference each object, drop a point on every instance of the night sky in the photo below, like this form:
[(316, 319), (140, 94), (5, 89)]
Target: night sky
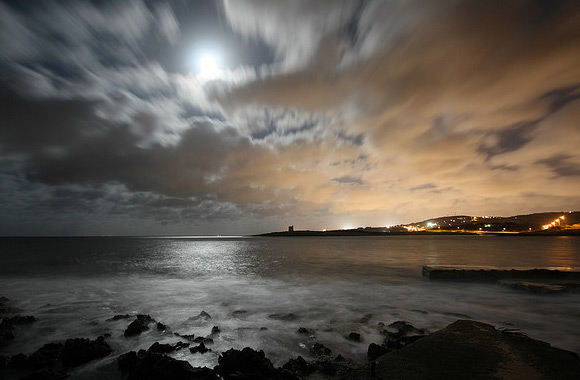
[(239, 117)]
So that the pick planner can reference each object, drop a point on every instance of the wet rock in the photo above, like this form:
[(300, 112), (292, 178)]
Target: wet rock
[(139, 325), (338, 366), (8, 323), (46, 374), (201, 339), (246, 364), (355, 337), (203, 317), (398, 342), (375, 351), (283, 317), (538, 287), (5, 306), (215, 330), (298, 366), (201, 348), (238, 313), (166, 348), (287, 375), (153, 366), (405, 329), (127, 361), (400, 333), (161, 326), (46, 356), (78, 351), (190, 337), (18, 361), (318, 349), (305, 331), (118, 317), (3, 302), (366, 318), (19, 320), (6, 333)]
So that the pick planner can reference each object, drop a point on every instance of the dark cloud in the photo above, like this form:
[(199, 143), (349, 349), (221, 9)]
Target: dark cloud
[(82, 32), (510, 138), (425, 186), (348, 180), (561, 165)]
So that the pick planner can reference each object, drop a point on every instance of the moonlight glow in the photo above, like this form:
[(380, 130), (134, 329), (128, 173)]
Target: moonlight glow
[(208, 67)]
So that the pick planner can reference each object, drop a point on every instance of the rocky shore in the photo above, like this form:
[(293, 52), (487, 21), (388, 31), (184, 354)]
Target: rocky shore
[(465, 349)]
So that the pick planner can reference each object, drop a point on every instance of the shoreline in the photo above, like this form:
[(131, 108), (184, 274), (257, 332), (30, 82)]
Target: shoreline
[(465, 349)]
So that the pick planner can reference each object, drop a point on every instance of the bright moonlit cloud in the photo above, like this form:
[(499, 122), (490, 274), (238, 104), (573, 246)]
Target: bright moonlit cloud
[(209, 67)]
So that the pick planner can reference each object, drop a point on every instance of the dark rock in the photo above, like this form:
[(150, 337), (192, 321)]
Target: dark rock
[(153, 366), (215, 330), (139, 325), (18, 361), (334, 367), (6, 333), (283, 317), (405, 329), (367, 317), (3, 302), (4, 362), (190, 337), (19, 320), (401, 334), (46, 374), (203, 316), (375, 351), (201, 339), (318, 349), (239, 313), (8, 323), (161, 326), (355, 337), (166, 348), (119, 317), (287, 375), (5, 307), (537, 287), (46, 356), (305, 331), (246, 364), (201, 349), (263, 328), (298, 366), (78, 351), (450, 353), (127, 362)]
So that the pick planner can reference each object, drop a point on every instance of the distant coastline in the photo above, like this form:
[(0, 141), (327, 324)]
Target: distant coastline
[(563, 223), (333, 233)]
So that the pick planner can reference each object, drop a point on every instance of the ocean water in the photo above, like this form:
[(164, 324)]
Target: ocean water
[(331, 285)]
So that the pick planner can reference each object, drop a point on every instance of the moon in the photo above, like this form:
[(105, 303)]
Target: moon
[(208, 66)]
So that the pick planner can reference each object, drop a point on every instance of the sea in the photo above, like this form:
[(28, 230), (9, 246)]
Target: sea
[(261, 290)]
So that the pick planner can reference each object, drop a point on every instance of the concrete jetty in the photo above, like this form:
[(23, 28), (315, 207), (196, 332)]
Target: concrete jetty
[(494, 274)]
